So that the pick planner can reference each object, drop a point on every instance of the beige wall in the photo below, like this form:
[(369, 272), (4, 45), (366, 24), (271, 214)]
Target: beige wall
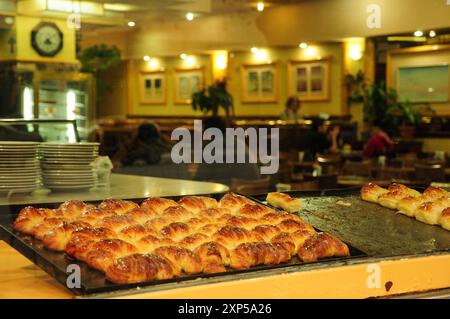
[(419, 56)]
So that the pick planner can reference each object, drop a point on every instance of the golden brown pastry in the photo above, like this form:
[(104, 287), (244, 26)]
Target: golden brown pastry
[(267, 232), (214, 256), (247, 255), (149, 243), (322, 245), (193, 241), (73, 209), (136, 232), (444, 221), (292, 241), (391, 199), (254, 210), (243, 221), (290, 226), (29, 217), (404, 189), (432, 193), (116, 222), (102, 254), (140, 268), (371, 192), (47, 225), (57, 238), (177, 214), (176, 231), (233, 202), (81, 241), (196, 204), (284, 201), (408, 205), (213, 214), (142, 215), (93, 216), (232, 236), (117, 205), (275, 218), (157, 204), (430, 212), (182, 259)]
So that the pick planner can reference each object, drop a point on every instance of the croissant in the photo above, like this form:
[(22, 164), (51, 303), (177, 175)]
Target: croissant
[(196, 204), (292, 241), (284, 201), (214, 257), (184, 259), (194, 240), (81, 241), (57, 238), (232, 236), (242, 221), (177, 214), (93, 216), (320, 246), (29, 217), (101, 254), (139, 268), (149, 243), (47, 225), (117, 205), (116, 223), (247, 255), (266, 232), (233, 202), (176, 231), (290, 226), (73, 209), (391, 198), (134, 233), (371, 192), (157, 204), (142, 215), (254, 210)]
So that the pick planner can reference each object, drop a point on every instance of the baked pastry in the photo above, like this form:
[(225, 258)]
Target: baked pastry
[(371, 192), (408, 205), (162, 238), (430, 212), (404, 189), (391, 198), (432, 193), (320, 246), (284, 201), (444, 221)]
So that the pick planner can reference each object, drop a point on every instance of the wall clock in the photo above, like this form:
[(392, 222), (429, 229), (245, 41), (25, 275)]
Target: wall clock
[(47, 39)]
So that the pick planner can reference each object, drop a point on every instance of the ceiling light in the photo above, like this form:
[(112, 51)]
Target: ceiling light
[(9, 20), (189, 16), (146, 58), (131, 24), (254, 50), (418, 33), (260, 6), (183, 56), (432, 33), (303, 45)]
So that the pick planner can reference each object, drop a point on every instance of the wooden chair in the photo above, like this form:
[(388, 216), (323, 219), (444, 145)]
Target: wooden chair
[(430, 173), (251, 187)]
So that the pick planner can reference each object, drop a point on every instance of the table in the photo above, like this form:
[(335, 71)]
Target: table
[(125, 186)]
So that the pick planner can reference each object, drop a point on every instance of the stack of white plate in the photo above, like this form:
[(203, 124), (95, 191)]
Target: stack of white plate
[(19, 167), (68, 166)]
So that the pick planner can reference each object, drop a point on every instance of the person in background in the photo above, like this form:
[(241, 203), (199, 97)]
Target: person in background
[(146, 148), (225, 172), (378, 144), (321, 139), (291, 109)]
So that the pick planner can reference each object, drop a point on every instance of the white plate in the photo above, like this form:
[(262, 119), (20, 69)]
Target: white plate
[(69, 182), (70, 187), (18, 143), (15, 167), (75, 162), (19, 190), (68, 157), (15, 186), (65, 167)]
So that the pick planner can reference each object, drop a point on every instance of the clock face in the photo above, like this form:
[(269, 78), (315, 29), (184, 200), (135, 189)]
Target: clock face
[(47, 39)]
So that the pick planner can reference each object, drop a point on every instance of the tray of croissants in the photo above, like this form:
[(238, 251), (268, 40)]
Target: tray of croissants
[(121, 243)]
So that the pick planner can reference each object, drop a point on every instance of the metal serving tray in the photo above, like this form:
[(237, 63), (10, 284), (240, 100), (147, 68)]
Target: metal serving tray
[(93, 281), (374, 229)]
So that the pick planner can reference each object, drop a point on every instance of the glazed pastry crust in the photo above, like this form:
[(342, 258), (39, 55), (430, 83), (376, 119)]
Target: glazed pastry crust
[(162, 239), (371, 192), (284, 201)]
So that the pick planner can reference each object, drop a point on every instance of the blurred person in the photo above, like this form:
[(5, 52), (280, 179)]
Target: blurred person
[(146, 148), (292, 106), (224, 172), (321, 139), (378, 144)]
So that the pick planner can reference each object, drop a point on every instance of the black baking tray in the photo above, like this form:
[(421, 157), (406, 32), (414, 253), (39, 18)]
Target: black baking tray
[(93, 281)]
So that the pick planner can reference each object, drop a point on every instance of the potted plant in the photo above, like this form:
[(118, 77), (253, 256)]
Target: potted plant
[(212, 99), (383, 108)]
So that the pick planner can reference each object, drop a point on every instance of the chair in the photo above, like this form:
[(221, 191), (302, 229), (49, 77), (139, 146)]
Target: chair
[(251, 187), (331, 164), (430, 173)]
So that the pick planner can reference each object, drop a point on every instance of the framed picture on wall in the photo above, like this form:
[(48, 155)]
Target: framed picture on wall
[(259, 83), (310, 80), (152, 87), (423, 84), (187, 82)]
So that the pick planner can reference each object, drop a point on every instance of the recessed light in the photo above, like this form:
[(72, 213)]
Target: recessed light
[(189, 16), (418, 33), (254, 50), (9, 20), (303, 45), (260, 6), (432, 33), (183, 56), (146, 58), (131, 24)]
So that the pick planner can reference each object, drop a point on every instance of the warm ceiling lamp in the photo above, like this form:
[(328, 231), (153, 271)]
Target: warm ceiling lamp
[(183, 56), (432, 34), (303, 45), (131, 24), (189, 16), (146, 58), (418, 33), (260, 6), (254, 50)]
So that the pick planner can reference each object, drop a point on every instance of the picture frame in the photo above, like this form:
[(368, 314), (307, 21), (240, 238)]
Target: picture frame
[(310, 80), (187, 82), (259, 83), (424, 83), (152, 87)]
